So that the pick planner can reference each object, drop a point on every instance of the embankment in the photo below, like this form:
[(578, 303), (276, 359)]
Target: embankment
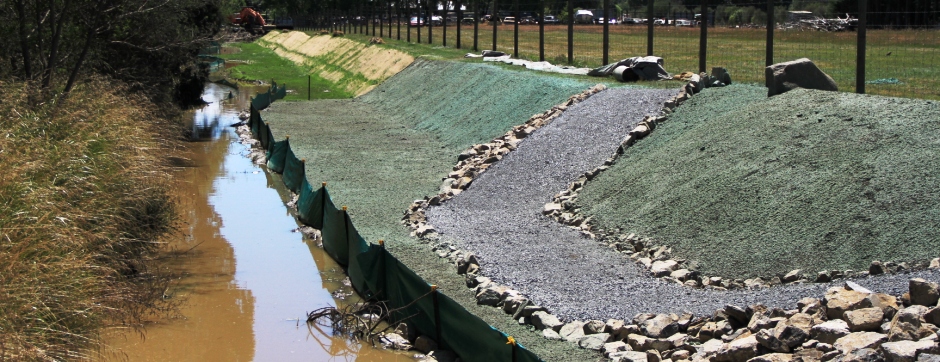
[(380, 152), (84, 199), (355, 66), (744, 185)]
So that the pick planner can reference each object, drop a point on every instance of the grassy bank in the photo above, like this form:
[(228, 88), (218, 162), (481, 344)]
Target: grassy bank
[(83, 202), (257, 63)]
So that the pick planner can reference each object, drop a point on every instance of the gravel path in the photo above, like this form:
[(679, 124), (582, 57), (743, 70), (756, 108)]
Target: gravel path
[(499, 219)]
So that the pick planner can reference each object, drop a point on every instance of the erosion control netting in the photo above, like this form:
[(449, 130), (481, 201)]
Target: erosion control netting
[(745, 185), (377, 275)]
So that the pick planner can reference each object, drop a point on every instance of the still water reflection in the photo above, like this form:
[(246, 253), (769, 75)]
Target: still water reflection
[(247, 278)]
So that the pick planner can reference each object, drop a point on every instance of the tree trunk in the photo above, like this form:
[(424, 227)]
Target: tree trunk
[(24, 45)]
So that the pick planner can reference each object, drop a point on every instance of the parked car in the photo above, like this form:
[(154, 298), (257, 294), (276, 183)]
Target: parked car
[(467, 20), (683, 22), (600, 21), (527, 20), (584, 17), (509, 20), (551, 19), (416, 21), (437, 20)]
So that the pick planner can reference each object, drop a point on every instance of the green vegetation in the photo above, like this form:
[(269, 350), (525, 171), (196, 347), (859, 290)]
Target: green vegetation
[(263, 64), (84, 200), (914, 54), (743, 185)]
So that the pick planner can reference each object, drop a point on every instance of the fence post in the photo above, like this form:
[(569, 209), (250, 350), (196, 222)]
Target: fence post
[(515, 29), (459, 20), (570, 32), (437, 315), (476, 24), (862, 38), (512, 344), (429, 22), (703, 38), (649, 28), (771, 24), (541, 30), (444, 25), (418, 16), (606, 32), (493, 19), (308, 87)]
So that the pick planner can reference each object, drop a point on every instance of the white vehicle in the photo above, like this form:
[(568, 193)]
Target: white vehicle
[(584, 17), (683, 22)]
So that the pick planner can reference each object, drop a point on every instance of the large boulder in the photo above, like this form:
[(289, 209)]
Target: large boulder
[(544, 320), (660, 326), (573, 331), (907, 351), (783, 338), (859, 340), (594, 341), (739, 350), (800, 73), (839, 300), (830, 331), (923, 292), (865, 319), (909, 324), (628, 356)]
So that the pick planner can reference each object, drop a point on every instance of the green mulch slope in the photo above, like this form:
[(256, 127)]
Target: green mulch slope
[(379, 152), (744, 185), (467, 103)]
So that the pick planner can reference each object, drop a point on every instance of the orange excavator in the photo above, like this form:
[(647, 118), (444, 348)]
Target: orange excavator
[(250, 18)]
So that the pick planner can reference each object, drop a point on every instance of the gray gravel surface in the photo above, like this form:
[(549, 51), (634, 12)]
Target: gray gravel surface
[(499, 218)]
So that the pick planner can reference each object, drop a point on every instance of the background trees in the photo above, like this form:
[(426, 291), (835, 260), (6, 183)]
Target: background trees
[(149, 44)]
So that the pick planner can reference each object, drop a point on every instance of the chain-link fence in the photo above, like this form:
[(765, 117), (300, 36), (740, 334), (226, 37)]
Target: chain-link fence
[(899, 40)]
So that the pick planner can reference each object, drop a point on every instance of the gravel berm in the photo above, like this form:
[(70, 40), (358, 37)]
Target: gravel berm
[(499, 219)]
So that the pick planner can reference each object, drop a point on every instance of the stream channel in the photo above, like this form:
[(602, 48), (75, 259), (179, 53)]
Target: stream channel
[(246, 279)]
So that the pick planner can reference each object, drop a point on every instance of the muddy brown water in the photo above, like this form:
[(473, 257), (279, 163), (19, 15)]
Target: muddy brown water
[(247, 279)]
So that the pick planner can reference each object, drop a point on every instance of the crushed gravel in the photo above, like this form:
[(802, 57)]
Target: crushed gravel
[(499, 219)]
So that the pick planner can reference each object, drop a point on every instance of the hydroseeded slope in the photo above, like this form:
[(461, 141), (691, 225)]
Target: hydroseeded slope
[(749, 186), (376, 162), (467, 103)]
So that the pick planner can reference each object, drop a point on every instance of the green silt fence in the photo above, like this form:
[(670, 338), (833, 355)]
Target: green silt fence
[(373, 271)]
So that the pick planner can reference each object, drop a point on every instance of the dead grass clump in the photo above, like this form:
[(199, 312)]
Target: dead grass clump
[(83, 203), (324, 32), (376, 40), (338, 33)]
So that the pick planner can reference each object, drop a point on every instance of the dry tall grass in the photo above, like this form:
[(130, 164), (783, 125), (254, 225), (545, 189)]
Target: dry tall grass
[(83, 203)]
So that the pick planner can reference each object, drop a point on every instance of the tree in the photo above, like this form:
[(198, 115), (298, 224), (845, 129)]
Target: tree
[(147, 43)]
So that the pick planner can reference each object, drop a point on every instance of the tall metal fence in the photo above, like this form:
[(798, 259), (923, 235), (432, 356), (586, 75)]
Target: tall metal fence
[(888, 47)]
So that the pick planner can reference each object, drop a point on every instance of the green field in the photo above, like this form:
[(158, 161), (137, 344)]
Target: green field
[(914, 54)]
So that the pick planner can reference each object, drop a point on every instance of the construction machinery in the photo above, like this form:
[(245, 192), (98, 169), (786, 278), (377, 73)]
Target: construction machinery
[(254, 21)]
